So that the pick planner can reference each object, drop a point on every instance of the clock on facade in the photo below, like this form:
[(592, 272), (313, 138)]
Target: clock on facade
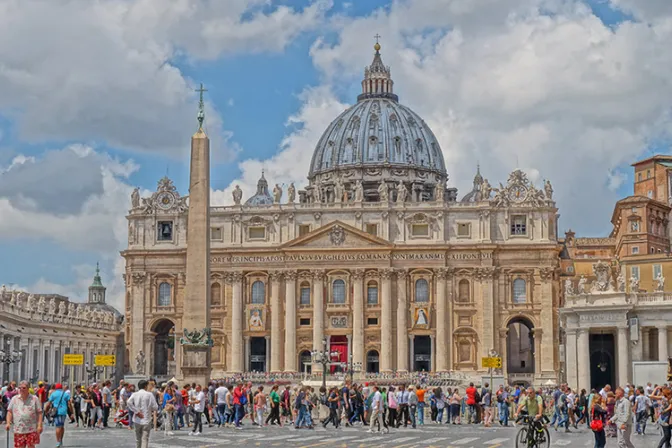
[(517, 193), (165, 200)]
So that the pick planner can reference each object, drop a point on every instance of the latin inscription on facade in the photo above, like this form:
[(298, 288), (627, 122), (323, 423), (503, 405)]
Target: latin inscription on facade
[(363, 256)]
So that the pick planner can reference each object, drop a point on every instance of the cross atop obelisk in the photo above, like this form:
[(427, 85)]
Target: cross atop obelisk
[(201, 106)]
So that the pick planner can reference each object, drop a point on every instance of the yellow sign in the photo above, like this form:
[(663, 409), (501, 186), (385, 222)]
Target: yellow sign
[(73, 359), (105, 360), (495, 363)]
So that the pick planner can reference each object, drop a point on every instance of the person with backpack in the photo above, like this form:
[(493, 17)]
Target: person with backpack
[(332, 404), (239, 402), (57, 406), (561, 410)]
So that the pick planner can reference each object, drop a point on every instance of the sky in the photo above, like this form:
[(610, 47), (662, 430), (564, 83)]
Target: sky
[(97, 98)]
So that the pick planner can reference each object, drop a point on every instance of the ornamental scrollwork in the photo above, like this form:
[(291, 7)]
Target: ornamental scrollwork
[(197, 337)]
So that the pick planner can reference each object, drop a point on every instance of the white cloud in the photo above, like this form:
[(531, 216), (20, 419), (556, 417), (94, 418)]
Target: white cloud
[(510, 85), (103, 71)]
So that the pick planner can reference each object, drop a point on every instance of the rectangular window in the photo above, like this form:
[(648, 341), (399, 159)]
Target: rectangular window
[(639, 177), (372, 229), (657, 271), (305, 296), (420, 229), (635, 250), (216, 234), (304, 321), (649, 194), (463, 229), (304, 229), (519, 225), (164, 231), (256, 233), (634, 272), (372, 321)]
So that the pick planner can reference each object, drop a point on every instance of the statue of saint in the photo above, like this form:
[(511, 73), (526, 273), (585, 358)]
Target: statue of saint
[(438, 192), (72, 310), (31, 302), (402, 193), (338, 191), (569, 288), (61, 308), (291, 193), (486, 190), (52, 306), (660, 286), (237, 195), (582, 285), (277, 194), (140, 363), (383, 193), (548, 189), (634, 284), (317, 194), (80, 311), (41, 305), (135, 198), (621, 282), (359, 191)]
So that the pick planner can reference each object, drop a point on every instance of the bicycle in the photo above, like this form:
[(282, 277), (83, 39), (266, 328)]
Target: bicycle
[(533, 433)]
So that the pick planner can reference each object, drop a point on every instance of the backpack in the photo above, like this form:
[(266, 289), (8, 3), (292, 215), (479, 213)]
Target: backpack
[(477, 397), (243, 398)]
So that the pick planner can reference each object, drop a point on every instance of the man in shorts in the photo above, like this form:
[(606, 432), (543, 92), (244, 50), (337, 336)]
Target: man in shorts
[(25, 413), (58, 400)]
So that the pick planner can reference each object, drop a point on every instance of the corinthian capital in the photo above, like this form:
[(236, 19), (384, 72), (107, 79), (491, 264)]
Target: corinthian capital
[(401, 274), (290, 276), (236, 276), (358, 274), (318, 274), (275, 276), (386, 274), (547, 273), (138, 278)]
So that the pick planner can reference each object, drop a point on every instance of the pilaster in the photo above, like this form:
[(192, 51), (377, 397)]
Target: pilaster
[(318, 309), (441, 322), (276, 323), (402, 321), (290, 321), (358, 317), (386, 363), (237, 323)]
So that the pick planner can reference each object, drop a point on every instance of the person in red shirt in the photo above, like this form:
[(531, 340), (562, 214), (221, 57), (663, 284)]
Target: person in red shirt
[(238, 403), (471, 402)]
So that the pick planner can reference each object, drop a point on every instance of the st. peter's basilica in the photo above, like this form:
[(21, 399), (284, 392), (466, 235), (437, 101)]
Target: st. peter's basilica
[(375, 254)]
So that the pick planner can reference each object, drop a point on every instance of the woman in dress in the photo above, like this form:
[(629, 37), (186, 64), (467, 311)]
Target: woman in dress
[(598, 413), (611, 405), (25, 413)]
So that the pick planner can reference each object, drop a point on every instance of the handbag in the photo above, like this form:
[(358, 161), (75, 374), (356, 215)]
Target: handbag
[(596, 425), (54, 409)]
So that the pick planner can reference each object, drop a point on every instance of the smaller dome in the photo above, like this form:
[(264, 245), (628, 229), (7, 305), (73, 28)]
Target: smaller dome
[(475, 194), (261, 197)]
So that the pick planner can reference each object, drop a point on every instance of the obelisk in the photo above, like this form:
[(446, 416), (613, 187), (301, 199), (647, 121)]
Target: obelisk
[(196, 340)]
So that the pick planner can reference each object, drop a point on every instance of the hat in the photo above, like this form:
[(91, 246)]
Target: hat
[(58, 386), (40, 383)]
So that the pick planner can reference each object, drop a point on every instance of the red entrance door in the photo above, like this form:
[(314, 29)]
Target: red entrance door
[(339, 344)]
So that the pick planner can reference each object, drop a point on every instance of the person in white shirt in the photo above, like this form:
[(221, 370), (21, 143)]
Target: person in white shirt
[(198, 403), (377, 411), (220, 401), (143, 405)]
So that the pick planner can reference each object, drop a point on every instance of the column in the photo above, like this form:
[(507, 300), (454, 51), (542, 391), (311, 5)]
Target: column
[(411, 343), (237, 324), (646, 356), (432, 351), (486, 275), (268, 354), (386, 364), (290, 321), (662, 344), (623, 356), (583, 358), (246, 362), (318, 309), (276, 325), (441, 322), (571, 359), (358, 318), (402, 321), (503, 353), (537, 334), (40, 359), (30, 371), (547, 346)]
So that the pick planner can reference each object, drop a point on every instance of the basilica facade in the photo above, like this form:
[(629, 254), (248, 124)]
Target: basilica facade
[(375, 255)]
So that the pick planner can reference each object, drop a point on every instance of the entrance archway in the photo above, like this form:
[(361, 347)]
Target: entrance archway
[(164, 344), (305, 360), (372, 362), (602, 365), (422, 354), (258, 354), (520, 346)]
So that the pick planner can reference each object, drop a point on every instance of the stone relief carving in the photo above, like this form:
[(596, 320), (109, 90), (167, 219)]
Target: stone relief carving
[(520, 191), (603, 283), (337, 235), (165, 199), (140, 363)]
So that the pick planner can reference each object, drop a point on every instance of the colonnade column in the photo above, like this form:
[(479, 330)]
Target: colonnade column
[(318, 309), (571, 359), (662, 344), (237, 323), (583, 361), (547, 347), (441, 319), (503, 353), (290, 321), (358, 317), (386, 325), (402, 321), (623, 358), (276, 326)]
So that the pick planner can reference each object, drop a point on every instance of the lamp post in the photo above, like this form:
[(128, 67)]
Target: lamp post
[(93, 371), (353, 367), (323, 357), (8, 356)]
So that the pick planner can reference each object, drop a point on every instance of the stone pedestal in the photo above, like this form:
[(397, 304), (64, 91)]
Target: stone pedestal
[(195, 364)]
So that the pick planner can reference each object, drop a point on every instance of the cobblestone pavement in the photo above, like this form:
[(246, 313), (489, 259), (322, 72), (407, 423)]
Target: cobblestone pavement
[(428, 436)]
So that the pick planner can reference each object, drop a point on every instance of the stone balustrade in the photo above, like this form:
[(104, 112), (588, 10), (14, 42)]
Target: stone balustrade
[(618, 299)]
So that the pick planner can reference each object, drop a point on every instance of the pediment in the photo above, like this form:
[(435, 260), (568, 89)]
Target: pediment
[(337, 235)]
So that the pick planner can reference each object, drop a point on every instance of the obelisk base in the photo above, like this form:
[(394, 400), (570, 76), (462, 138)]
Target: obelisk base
[(196, 364)]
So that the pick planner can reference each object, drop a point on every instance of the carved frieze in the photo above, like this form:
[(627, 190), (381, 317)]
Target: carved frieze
[(138, 278)]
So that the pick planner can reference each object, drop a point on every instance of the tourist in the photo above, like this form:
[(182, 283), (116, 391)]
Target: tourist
[(420, 392), (260, 406), (25, 414), (455, 400), (143, 405), (220, 401), (274, 416), (642, 405), (58, 400), (197, 403), (664, 400), (376, 412), (332, 404), (239, 401), (623, 419), (598, 414), (486, 401), (412, 405)]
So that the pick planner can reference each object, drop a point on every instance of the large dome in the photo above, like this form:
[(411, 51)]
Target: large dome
[(378, 132)]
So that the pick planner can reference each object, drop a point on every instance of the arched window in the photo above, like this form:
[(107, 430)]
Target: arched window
[(305, 294), (164, 294), (258, 292), (216, 294), (463, 291), (338, 291), (372, 293), (519, 291), (421, 290)]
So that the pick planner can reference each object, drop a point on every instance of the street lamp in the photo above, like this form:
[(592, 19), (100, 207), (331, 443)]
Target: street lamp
[(323, 357), (353, 367), (8, 356), (93, 371)]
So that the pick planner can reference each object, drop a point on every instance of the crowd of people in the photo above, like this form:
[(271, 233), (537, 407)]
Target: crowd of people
[(377, 407)]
